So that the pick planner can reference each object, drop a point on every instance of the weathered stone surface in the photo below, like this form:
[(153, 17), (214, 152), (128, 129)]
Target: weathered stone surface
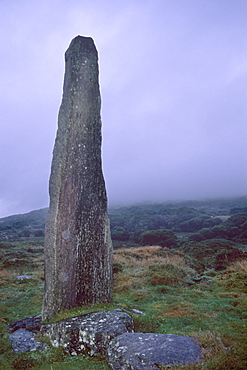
[(139, 351), (78, 248), (89, 333), (111, 334), (24, 340), (30, 323)]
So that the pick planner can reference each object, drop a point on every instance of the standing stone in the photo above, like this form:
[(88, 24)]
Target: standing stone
[(78, 248)]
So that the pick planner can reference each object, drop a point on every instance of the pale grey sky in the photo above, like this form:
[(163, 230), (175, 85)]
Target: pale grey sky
[(173, 76)]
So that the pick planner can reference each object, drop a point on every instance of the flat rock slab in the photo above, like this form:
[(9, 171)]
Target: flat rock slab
[(24, 340), (89, 333), (30, 323), (23, 277), (139, 351)]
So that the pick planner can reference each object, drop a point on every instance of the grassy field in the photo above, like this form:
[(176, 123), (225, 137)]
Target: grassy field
[(167, 285)]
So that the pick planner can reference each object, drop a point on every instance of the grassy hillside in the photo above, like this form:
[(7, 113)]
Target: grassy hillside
[(196, 287), (23, 226), (176, 294)]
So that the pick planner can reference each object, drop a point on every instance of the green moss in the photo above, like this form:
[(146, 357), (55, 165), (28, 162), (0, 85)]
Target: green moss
[(66, 314)]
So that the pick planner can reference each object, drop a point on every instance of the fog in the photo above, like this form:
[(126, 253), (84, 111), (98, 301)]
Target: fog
[(173, 78)]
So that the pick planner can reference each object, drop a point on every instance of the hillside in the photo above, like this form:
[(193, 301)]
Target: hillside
[(25, 225), (186, 282), (128, 223)]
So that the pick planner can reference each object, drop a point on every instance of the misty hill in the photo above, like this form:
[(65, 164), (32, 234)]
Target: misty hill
[(23, 225), (208, 219), (212, 207)]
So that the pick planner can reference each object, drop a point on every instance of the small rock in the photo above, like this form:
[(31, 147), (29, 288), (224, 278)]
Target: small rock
[(22, 277), (24, 340), (134, 310), (139, 351)]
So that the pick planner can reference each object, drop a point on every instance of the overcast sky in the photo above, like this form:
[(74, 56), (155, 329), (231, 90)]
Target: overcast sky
[(173, 77)]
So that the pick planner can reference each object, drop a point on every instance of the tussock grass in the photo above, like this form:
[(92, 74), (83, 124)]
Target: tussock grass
[(6, 274), (235, 276), (149, 266), (212, 309), (239, 266), (146, 256), (162, 283)]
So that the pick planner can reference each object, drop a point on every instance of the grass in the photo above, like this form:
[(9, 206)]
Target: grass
[(212, 310), (176, 297)]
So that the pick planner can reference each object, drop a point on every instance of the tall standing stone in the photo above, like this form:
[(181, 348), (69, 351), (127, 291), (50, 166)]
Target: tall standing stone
[(78, 248)]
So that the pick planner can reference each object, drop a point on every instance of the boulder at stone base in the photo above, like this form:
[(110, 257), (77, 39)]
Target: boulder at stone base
[(24, 341), (89, 333), (147, 351)]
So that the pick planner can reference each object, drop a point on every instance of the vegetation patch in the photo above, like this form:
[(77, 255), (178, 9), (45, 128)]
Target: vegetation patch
[(196, 288)]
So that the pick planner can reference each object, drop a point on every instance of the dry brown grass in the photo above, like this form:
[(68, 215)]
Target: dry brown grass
[(124, 283), (239, 266), (234, 277), (211, 343), (150, 265), (228, 295), (6, 274), (163, 277), (178, 311), (146, 256)]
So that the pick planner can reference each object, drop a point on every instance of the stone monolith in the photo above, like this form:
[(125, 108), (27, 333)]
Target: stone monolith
[(78, 248)]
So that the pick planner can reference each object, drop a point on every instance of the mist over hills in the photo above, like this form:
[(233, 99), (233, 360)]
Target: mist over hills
[(129, 223)]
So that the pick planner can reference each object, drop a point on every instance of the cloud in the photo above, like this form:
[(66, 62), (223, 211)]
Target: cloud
[(173, 82)]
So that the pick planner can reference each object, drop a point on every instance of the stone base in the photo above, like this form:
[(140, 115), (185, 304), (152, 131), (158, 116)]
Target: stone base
[(111, 334), (24, 341), (89, 333)]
